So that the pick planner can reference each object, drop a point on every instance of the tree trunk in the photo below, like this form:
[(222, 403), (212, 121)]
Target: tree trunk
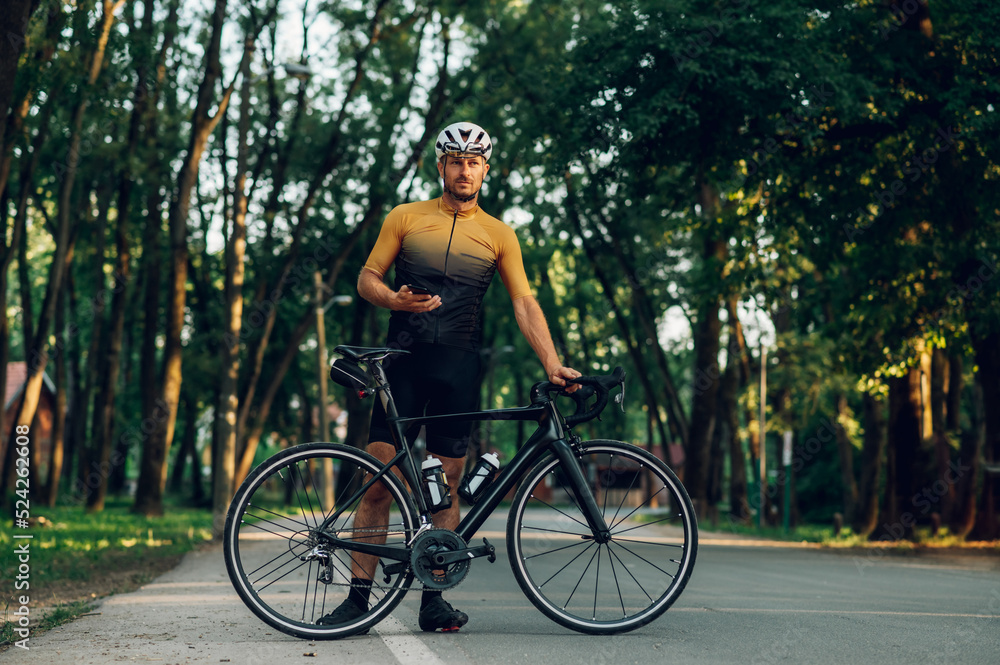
[(739, 501), (904, 444), (954, 403), (104, 405), (59, 418), (155, 453), (706, 386), (987, 348), (848, 484), (270, 293), (38, 356), (970, 451), (6, 257), (940, 375), (98, 452), (13, 26), (872, 453), (188, 451), (227, 410), (250, 436), (635, 352)]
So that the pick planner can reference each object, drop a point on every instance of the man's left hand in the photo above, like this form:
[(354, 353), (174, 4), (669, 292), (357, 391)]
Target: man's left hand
[(559, 375)]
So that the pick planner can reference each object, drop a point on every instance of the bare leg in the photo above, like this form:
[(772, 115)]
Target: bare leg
[(449, 518), (373, 511)]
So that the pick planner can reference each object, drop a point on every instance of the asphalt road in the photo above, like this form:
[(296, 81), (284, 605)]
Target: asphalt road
[(746, 603)]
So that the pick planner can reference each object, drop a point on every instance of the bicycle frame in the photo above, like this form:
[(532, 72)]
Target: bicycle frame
[(550, 435)]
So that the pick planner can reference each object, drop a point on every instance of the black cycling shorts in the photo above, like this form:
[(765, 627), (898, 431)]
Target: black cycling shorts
[(432, 380)]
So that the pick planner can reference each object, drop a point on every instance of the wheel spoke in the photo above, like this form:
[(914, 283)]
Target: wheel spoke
[(624, 494), (538, 528), (573, 592), (288, 593), (286, 517), (567, 565), (305, 488), (279, 534), (647, 542), (639, 526), (625, 568), (644, 559), (568, 516), (597, 580), (648, 499), (559, 549), (618, 587), (632, 584)]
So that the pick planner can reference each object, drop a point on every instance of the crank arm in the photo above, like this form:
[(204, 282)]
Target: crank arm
[(485, 549)]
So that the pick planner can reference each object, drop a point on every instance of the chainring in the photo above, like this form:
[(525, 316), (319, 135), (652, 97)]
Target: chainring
[(431, 542)]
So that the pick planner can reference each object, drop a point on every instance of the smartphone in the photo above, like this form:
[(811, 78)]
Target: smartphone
[(418, 290)]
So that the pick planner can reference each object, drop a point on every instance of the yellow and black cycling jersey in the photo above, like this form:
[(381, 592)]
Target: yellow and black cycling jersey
[(453, 254)]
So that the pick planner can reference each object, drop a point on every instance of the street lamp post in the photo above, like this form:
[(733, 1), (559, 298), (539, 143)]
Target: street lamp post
[(763, 436), (322, 373)]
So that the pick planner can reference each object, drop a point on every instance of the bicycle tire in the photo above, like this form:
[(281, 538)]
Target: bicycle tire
[(265, 538), (559, 565)]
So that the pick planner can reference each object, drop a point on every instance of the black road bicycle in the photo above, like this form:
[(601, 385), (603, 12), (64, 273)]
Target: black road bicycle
[(601, 535)]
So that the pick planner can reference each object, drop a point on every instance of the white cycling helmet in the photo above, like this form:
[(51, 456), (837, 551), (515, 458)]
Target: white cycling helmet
[(464, 139)]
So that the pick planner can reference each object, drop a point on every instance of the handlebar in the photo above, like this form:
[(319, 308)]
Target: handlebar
[(589, 386)]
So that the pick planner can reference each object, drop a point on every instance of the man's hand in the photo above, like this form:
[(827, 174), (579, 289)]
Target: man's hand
[(559, 375), (408, 301)]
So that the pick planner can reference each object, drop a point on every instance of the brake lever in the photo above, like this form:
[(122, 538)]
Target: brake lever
[(620, 397)]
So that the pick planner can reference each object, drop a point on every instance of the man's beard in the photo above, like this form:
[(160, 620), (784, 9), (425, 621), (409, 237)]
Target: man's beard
[(458, 197)]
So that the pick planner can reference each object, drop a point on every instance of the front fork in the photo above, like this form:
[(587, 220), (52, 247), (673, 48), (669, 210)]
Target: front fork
[(581, 490)]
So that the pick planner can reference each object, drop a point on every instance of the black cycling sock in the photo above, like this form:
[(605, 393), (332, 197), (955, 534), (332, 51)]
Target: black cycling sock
[(361, 589), (428, 596)]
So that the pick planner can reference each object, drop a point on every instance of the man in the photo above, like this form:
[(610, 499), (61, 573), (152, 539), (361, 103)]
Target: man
[(445, 252)]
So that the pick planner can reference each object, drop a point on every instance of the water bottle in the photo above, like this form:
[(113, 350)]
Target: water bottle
[(476, 481), (438, 495)]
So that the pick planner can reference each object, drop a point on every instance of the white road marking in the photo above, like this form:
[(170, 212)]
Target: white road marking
[(405, 646)]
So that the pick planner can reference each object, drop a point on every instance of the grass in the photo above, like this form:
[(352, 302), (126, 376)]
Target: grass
[(77, 557), (824, 535)]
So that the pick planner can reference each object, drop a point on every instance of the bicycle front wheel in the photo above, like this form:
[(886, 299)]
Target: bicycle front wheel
[(612, 587), (281, 565)]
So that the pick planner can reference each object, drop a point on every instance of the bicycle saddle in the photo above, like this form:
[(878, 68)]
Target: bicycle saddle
[(365, 353)]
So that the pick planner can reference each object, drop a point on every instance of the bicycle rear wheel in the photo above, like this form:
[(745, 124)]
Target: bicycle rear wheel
[(275, 554), (615, 586)]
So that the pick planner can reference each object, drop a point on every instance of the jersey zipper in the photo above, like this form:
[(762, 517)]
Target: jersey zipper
[(447, 255)]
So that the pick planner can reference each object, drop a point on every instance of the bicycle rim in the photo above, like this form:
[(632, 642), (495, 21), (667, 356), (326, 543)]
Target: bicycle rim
[(615, 586), (271, 539)]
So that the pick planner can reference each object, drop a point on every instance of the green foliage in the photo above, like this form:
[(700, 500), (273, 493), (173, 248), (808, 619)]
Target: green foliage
[(690, 152), (70, 544)]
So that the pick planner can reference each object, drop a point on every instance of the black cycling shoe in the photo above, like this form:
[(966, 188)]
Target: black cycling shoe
[(439, 614), (347, 612)]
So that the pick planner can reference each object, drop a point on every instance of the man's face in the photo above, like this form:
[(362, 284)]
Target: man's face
[(463, 176)]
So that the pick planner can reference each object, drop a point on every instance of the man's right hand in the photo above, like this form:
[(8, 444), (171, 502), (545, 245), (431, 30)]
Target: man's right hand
[(408, 301)]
